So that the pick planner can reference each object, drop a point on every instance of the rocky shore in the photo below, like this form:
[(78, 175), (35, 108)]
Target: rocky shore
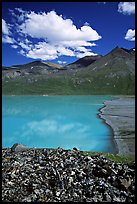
[(57, 175), (120, 115)]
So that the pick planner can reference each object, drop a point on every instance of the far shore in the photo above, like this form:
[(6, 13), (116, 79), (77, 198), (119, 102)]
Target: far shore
[(119, 113)]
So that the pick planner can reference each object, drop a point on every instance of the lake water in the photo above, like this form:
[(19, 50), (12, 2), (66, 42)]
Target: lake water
[(52, 121)]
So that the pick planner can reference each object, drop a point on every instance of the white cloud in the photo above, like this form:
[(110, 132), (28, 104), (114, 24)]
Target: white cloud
[(47, 51), (51, 35), (130, 35), (7, 39), (14, 46), (21, 14), (62, 62), (20, 10), (39, 54), (12, 12), (45, 48), (77, 43), (27, 41), (53, 27), (43, 51), (22, 52), (126, 8), (80, 55), (24, 46), (86, 24), (5, 29), (82, 49), (65, 51)]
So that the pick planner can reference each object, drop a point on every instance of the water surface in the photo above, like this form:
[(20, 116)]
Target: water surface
[(67, 121)]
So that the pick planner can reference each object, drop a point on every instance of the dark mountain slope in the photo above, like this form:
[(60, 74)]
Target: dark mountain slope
[(116, 60), (83, 62)]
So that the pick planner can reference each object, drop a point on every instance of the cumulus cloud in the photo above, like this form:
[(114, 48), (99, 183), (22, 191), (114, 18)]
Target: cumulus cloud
[(48, 35), (14, 46), (80, 55), (20, 10), (7, 39), (5, 29), (53, 27), (130, 35), (41, 54), (22, 52), (42, 50), (77, 43), (19, 14), (24, 46), (127, 8), (65, 51)]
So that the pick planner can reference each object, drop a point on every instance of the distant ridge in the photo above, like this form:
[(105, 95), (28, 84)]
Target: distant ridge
[(38, 63), (113, 73)]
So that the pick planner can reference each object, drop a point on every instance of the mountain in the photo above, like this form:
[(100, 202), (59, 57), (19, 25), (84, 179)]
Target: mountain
[(4, 68), (118, 60), (113, 73), (38, 63), (83, 62), (35, 67), (132, 51)]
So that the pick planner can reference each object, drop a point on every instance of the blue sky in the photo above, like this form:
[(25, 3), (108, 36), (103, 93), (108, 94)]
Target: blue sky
[(62, 32)]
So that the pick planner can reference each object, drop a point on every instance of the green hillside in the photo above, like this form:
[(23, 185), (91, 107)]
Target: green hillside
[(111, 74)]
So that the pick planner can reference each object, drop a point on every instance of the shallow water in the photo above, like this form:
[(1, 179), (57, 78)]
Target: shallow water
[(52, 121)]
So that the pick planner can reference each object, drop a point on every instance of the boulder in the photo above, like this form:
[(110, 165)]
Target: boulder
[(19, 147)]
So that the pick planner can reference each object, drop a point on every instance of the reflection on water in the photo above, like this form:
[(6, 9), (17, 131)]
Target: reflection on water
[(54, 121)]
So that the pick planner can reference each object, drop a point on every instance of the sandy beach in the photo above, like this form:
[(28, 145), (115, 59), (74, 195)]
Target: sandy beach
[(120, 115)]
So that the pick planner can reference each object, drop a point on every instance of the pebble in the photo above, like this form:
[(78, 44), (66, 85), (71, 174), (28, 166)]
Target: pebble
[(57, 175)]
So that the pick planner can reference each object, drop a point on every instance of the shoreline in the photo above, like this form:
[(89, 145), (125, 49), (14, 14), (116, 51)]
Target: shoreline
[(111, 130), (118, 114), (108, 115)]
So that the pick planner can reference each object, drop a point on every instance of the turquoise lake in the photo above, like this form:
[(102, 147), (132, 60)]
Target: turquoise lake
[(52, 121)]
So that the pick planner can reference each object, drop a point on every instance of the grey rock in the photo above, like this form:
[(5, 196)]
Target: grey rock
[(19, 147), (44, 175), (75, 149)]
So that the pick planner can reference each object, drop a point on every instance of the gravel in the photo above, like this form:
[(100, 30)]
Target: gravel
[(57, 175)]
